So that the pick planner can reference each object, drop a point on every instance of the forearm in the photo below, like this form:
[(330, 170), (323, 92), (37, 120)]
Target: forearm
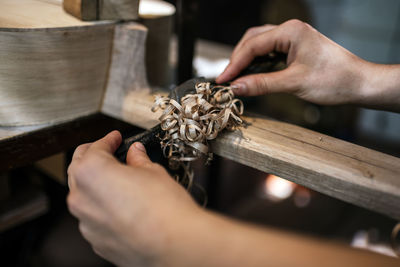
[(219, 241), (381, 87)]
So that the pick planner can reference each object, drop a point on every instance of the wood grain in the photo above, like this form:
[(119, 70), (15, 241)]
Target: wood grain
[(127, 71), (118, 9), (48, 76), (53, 66), (28, 14), (346, 171)]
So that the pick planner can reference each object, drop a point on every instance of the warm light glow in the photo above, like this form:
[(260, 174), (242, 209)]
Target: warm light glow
[(155, 8), (277, 188)]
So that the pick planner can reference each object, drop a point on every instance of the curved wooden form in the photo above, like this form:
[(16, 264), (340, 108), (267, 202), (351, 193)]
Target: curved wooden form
[(49, 76), (51, 69), (55, 67)]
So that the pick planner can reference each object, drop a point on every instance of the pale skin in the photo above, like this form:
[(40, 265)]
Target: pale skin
[(137, 215), (319, 70)]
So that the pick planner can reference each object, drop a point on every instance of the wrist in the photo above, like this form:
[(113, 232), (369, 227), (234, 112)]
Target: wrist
[(202, 239), (381, 87)]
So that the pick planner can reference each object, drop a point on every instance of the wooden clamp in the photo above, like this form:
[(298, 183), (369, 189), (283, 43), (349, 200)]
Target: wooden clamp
[(102, 9)]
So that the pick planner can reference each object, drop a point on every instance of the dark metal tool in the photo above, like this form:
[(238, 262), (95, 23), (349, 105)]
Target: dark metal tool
[(267, 63)]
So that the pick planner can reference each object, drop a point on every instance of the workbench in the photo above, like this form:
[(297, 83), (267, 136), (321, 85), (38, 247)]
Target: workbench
[(26, 144)]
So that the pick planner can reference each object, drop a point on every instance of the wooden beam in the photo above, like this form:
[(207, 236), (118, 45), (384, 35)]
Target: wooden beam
[(82, 9), (343, 170), (118, 9), (88, 10), (25, 205), (20, 146)]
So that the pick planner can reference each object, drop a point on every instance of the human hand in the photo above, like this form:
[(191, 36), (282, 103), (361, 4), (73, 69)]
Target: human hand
[(319, 70), (131, 214)]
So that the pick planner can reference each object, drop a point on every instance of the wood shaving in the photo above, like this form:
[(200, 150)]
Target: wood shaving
[(190, 124)]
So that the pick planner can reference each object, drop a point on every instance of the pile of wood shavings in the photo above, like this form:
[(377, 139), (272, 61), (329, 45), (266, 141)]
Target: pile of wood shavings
[(198, 117)]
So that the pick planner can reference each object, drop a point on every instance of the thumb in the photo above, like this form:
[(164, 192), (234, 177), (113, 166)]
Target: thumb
[(286, 80), (137, 156)]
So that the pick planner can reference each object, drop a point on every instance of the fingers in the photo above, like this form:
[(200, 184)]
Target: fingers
[(257, 45), (251, 33), (108, 143), (137, 156), (94, 159), (280, 81), (78, 154), (282, 38)]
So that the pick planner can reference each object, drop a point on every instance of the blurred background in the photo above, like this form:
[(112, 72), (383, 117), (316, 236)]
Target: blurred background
[(37, 230)]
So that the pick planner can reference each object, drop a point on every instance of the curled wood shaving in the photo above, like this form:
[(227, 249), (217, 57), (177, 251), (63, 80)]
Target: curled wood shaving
[(189, 125)]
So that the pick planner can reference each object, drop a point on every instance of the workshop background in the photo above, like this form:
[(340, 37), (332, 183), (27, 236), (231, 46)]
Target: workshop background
[(47, 235)]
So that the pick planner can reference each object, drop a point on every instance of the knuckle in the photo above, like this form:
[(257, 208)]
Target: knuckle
[(84, 230), (249, 47), (73, 205), (83, 170), (298, 25), (79, 148), (98, 251), (251, 30), (294, 23), (80, 171), (70, 170)]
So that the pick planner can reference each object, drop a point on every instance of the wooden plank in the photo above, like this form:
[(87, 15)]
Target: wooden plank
[(346, 171)]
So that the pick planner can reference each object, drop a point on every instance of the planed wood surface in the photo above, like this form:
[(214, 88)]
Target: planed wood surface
[(31, 14), (127, 70), (346, 171), (55, 67), (49, 76)]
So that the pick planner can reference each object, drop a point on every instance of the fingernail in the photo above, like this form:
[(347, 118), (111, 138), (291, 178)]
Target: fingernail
[(240, 88), (140, 146)]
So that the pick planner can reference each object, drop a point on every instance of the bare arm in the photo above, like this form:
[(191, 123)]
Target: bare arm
[(319, 70), (137, 215)]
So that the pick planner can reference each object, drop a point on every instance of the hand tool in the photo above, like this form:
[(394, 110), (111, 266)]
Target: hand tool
[(270, 62)]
